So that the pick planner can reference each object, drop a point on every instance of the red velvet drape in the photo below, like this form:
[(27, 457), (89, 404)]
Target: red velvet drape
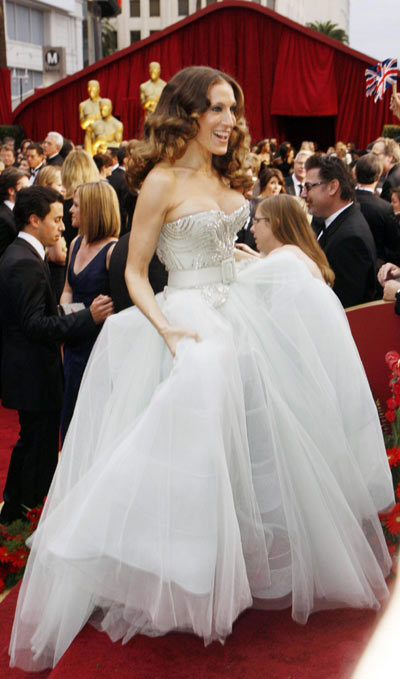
[(5, 96), (304, 79), (269, 55)]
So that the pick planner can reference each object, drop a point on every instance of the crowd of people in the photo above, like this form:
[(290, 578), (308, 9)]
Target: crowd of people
[(221, 445), (371, 182)]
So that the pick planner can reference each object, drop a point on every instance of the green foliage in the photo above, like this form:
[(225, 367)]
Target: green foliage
[(330, 29), (108, 38), (13, 549), (392, 131)]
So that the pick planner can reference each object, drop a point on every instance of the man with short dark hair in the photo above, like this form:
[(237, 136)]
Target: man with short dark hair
[(35, 158), (378, 213), (32, 333), (388, 152), (11, 181), (344, 234), (117, 179)]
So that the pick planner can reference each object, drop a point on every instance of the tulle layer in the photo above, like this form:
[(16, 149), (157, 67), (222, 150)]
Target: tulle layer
[(249, 468)]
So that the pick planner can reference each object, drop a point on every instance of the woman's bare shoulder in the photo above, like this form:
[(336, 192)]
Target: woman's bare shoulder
[(162, 175)]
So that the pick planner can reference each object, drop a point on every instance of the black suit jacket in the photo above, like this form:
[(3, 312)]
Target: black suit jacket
[(383, 224), (244, 235), (33, 330), (158, 276), (56, 160), (118, 181), (392, 180), (8, 230), (290, 186), (350, 249)]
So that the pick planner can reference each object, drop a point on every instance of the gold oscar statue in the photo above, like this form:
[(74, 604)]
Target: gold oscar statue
[(106, 132), (89, 112), (150, 91)]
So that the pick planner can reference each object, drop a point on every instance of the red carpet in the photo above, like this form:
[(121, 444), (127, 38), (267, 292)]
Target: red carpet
[(8, 438), (264, 645)]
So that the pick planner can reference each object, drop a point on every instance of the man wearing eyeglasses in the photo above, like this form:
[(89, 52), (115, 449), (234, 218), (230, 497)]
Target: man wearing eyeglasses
[(344, 234), (388, 152)]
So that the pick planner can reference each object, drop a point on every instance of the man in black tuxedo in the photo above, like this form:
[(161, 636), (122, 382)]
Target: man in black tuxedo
[(117, 179), (294, 183), (35, 158), (388, 152), (379, 213), (32, 333), (11, 181), (52, 146), (345, 235)]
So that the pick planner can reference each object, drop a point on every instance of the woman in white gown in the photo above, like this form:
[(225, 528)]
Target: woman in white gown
[(225, 446)]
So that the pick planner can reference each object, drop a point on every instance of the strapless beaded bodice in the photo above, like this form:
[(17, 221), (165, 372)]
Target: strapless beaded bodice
[(200, 240)]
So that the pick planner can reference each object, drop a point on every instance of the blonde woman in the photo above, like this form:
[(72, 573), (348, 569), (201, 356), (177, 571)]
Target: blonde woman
[(78, 168), (95, 213), (50, 176)]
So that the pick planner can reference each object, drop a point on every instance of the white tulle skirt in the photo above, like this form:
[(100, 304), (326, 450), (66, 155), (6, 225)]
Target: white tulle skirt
[(250, 468)]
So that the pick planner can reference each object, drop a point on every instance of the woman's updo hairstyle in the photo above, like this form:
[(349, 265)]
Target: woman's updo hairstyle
[(168, 130)]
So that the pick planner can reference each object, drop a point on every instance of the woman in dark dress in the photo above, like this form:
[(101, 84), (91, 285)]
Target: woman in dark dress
[(95, 213)]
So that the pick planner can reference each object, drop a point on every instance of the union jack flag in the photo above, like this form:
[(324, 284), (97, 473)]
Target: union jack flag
[(380, 77), (372, 77)]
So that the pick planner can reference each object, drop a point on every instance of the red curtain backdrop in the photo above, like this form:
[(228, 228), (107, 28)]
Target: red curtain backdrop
[(5, 96), (304, 78), (269, 55)]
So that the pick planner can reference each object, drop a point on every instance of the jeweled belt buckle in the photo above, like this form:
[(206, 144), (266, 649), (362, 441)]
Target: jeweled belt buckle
[(228, 270)]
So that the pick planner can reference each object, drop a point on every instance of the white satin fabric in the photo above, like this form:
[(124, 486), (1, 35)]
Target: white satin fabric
[(249, 468)]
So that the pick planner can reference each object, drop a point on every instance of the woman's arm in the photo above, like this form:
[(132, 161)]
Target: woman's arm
[(152, 206), (109, 253), (244, 251)]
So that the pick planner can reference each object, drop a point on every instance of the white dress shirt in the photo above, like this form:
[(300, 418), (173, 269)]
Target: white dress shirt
[(34, 242)]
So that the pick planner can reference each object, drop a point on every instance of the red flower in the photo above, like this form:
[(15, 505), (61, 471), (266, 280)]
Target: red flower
[(396, 388), (391, 403), (18, 558), (2, 585), (392, 520), (34, 514), (397, 399), (393, 455), (390, 415), (392, 359), (3, 554)]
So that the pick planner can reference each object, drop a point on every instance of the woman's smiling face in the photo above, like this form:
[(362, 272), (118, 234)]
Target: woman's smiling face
[(216, 124)]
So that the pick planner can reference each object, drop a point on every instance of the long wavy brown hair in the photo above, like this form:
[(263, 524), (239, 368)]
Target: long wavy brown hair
[(266, 173), (290, 226), (174, 123)]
